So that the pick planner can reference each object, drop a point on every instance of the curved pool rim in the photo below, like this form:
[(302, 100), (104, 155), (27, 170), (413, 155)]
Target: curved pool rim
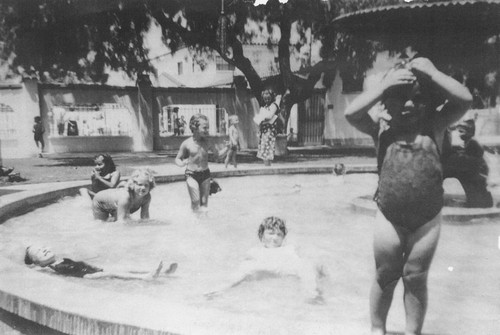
[(50, 301), (32, 296)]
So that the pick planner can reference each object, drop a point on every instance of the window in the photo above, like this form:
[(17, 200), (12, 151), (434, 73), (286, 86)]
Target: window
[(222, 65), (7, 122), (174, 119), (179, 68), (90, 120)]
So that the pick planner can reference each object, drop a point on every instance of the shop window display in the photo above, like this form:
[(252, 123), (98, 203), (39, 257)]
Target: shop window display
[(90, 120), (174, 119)]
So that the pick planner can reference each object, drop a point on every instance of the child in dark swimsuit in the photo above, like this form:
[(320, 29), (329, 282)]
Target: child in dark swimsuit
[(407, 121), (193, 154), (43, 257), (103, 176)]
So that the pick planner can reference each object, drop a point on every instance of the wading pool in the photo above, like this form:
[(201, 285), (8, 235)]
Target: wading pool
[(464, 288)]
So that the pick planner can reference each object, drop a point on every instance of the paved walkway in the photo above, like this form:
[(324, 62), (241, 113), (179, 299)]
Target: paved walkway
[(71, 167)]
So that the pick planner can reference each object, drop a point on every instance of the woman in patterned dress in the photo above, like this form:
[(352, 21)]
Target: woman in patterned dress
[(266, 119)]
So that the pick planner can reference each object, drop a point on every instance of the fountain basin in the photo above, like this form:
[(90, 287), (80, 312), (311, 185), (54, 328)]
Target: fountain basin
[(319, 221)]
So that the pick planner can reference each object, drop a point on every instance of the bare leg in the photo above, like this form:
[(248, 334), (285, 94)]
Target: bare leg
[(194, 193), (228, 157), (388, 251), (234, 159), (127, 275), (204, 192), (421, 246)]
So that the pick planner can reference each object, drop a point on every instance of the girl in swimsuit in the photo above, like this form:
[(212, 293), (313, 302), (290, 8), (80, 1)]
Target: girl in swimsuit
[(193, 154), (44, 257), (119, 203), (408, 130), (103, 176)]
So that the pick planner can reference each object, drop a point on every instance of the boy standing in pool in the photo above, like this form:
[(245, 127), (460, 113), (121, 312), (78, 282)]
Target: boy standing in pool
[(408, 125), (272, 257), (193, 154)]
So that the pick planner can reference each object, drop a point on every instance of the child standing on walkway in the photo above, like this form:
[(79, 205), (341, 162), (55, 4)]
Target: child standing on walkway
[(38, 131), (119, 203), (234, 140), (416, 103), (193, 154)]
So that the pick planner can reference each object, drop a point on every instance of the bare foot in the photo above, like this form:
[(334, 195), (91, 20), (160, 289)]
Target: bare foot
[(156, 273), (171, 269)]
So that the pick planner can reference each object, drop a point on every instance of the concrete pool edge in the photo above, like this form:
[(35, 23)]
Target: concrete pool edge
[(365, 205), (32, 296)]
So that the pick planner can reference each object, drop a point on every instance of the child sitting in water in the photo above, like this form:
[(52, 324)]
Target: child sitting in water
[(464, 160), (193, 154), (234, 141), (416, 103), (43, 257), (119, 203), (275, 258), (104, 175)]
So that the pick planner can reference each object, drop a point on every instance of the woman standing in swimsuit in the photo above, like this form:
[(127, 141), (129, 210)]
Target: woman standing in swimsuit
[(408, 129)]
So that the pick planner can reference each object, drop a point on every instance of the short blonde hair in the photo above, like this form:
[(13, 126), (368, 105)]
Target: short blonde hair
[(194, 122), (146, 173), (233, 119)]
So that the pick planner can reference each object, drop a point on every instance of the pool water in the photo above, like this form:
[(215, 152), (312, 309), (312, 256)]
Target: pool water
[(464, 289)]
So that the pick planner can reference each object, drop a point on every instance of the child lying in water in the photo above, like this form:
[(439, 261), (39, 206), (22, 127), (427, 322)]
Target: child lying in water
[(43, 257), (275, 258)]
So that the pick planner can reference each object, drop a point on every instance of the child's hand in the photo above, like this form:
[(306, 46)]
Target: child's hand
[(378, 113), (423, 65), (397, 77)]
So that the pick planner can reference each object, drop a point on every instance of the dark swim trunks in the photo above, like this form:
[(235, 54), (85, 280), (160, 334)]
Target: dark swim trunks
[(71, 268), (410, 188), (199, 176)]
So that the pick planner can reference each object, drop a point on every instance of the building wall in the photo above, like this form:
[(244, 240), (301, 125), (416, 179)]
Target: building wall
[(23, 100), (338, 132), (140, 138), (239, 102), (142, 105)]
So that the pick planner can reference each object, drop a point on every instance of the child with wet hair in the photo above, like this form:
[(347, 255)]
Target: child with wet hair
[(44, 257), (117, 204), (273, 257), (407, 114), (193, 154)]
